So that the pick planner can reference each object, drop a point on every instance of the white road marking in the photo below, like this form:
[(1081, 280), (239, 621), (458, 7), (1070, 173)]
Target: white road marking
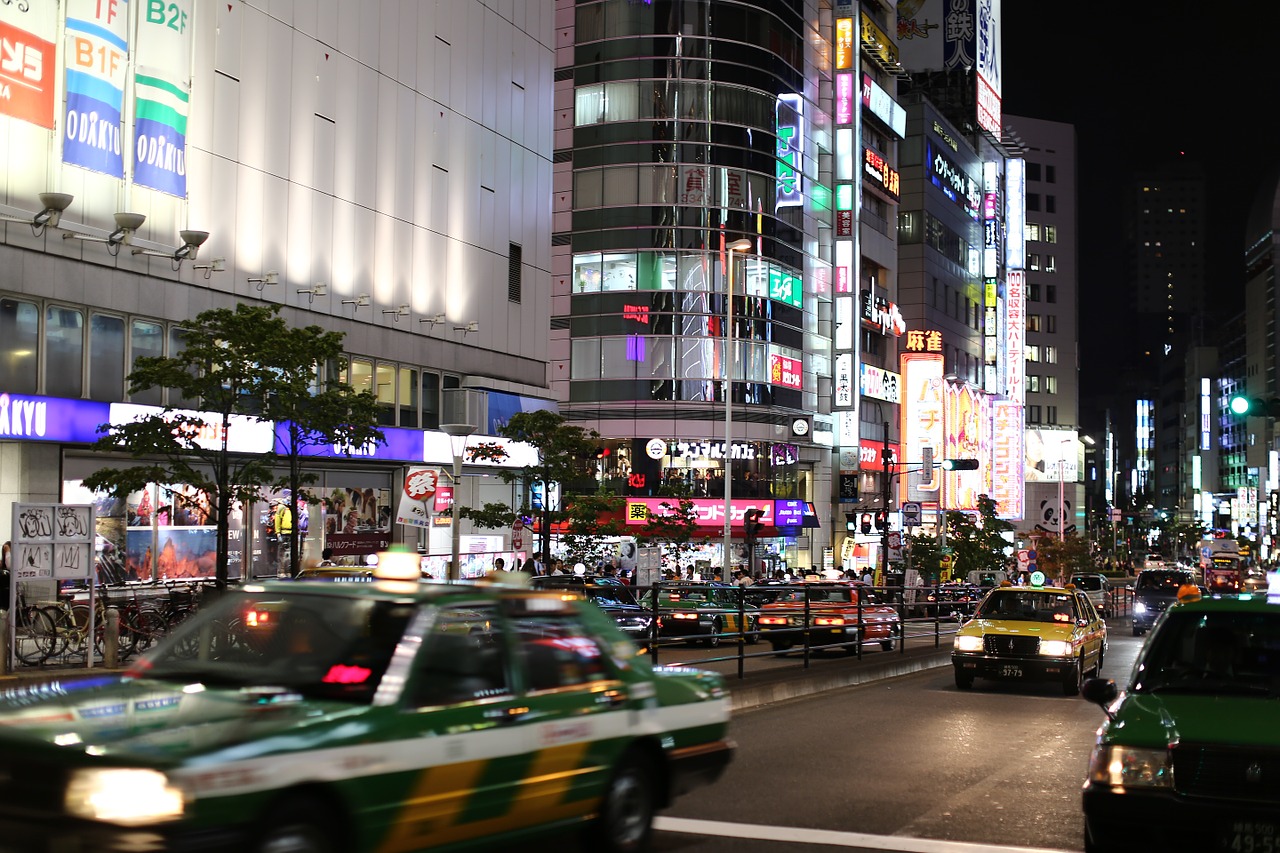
[(829, 837)]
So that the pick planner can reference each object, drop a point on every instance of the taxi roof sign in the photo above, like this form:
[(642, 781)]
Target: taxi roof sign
[(1037, 578)]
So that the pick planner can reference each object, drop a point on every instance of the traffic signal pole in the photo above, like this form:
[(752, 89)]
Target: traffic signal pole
[(889, 463)]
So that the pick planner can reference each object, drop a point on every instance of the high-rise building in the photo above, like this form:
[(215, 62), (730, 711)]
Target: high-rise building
[(379, 169)]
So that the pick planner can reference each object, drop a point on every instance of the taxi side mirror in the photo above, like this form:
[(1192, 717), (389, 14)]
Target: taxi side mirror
[(1100, 691)]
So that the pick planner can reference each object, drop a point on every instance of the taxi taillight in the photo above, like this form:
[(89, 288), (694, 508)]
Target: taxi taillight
[(829, 620), (254, 618), (684, 615), (773, 620)]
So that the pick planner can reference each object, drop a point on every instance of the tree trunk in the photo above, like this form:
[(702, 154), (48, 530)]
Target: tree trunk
[(224, 529)]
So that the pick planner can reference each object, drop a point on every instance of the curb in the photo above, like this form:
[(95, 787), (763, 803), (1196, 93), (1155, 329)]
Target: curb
[(755, 695)]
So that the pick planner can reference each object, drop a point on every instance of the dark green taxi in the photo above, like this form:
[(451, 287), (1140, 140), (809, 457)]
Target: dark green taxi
[(387, 716), (1189, 756), (706, 612)]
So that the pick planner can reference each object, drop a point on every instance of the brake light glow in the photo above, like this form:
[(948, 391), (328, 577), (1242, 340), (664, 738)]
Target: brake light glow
[(829, 620), (254, 618), (773, 620), (684, 615)]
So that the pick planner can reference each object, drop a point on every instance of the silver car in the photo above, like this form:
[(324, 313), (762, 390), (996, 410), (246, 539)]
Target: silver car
[(1095, 588)]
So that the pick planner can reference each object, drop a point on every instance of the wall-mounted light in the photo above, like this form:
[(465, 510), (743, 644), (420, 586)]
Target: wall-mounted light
[(191, 243), (126, 225), (272, 277), (216, 265), (52, 205), (433, 320), (359, 302), (317, 289), (397, 313), (469, 327)]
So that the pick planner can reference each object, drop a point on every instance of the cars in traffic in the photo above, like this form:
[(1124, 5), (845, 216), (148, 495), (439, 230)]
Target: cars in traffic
[(848, 615), (1096, 587), (703, 612), (1153, 591), (1030, 632), (392, 715), (1189, 753), (610, 595)]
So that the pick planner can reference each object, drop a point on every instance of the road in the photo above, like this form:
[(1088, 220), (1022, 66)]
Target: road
[(904, 764)]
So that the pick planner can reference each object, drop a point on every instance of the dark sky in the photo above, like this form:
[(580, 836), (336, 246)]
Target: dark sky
[(1143, 82)]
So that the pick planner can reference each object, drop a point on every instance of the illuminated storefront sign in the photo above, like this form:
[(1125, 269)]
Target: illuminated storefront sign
[(785, 371), (243, 434), (987, 64), (25, 416), (708, 450), (871, 455), (882, 316), (924, 340), (1015, 213), (881, 174), (942, 133), (401, 445), (1206, 414), (844, 44), (785, 287), (844, 98), (1015, 337), (789, 114), (709, 512), (843, 339), (952, 180), (28, 62), (1007, 459), (922, 424), (784, 454), (880, 384), (844, 380), (988, 106), (882, 105), (844, 266), (967, 427)]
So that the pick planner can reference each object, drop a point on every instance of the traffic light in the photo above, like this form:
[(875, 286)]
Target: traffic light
[(751, 524), (882, 520), (1254, 407), (851, 522), (960, 464), (865, 525)]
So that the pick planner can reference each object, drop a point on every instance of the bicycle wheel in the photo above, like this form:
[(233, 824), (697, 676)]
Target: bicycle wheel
[(35, 637), (63, 634), (80, 618), (147, 625)]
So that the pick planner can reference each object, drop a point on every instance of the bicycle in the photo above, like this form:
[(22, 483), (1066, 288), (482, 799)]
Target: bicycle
[(35, 633)]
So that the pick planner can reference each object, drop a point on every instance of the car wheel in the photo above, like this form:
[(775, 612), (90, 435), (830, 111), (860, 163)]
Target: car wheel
[(1074, 679), (780, 649), (753, 633), (713, 639), (297, 826), (625, 820), (964, 680), (888, 645), (1137, 632)]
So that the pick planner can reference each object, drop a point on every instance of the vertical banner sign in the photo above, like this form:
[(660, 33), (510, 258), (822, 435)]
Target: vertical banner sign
[(922, 423), (1015, 337), (789, 114), (162, 87), (97, 58), (421, 487), (28, 61)]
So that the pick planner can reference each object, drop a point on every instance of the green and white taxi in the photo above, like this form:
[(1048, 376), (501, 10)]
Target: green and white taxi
[(388, 716)]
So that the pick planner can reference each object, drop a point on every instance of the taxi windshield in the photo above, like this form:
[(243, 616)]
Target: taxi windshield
[(1168, 581), (321, 646), (1028, 606), (1213, 653), (839, 594)]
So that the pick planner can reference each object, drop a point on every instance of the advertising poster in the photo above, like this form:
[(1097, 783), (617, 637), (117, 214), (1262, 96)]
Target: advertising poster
[(967, 426), (417, 497), (162, 90), (28, 61), (96, 58), (922, 424)]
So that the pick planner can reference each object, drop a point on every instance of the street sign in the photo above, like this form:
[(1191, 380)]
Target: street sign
[(1115, 514), (1024, 558), (911, 512)]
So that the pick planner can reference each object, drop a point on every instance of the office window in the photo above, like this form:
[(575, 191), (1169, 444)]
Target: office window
[(1050, 204), (1033, 293), (1033, 202), (359, 375), (1033, 171), (1033, 352), (1033, 414), (1051, 385), (146, 340), (1051, 323), (408, 397), (385, 390), (1050, 355), (1051, 414), (1051, 233), (1033, 261), (1051, 293), (1050, 263), (1033, 322), (1033, 382), (1050, 174), (64, 351), (19, 343), (1031, 231), (106, 358), (430, 400)]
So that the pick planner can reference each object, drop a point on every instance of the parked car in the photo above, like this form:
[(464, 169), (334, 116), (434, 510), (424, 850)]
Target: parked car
[(1186, 755), (610, 595), (1153, 591), (1021, 632), (833, 613), (706, 612), (1095, 586), (388, 715)]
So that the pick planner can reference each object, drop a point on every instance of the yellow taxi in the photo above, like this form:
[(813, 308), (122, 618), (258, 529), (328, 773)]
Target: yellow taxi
[(1031, 632)]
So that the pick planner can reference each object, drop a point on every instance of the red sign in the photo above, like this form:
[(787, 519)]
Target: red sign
[(420, 484), (844, 223), (871, 456), (785, 371), (709, 511), (358, 544), (26, 76), (639, 313), (444, 499)]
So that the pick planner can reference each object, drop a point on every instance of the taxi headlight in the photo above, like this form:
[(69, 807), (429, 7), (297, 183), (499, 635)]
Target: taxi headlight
[(1128, 767), (124, 795), (1056, 648), (1139, 607), (968, 643)]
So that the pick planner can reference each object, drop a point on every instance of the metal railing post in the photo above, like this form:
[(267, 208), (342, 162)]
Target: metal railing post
[(806, 627), (655, 591), (861, 627), (5, 663)]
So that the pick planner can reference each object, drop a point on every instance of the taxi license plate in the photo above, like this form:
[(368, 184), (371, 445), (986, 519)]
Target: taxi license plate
[(1009, 670), (1249, 836)]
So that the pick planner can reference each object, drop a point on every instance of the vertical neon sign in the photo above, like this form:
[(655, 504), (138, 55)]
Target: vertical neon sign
[(789, 114)]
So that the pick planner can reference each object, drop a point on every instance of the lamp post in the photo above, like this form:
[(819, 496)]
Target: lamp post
[(1062, 497), (458, 442), (729, 360)]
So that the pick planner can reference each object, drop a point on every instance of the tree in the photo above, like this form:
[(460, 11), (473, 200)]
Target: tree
[(222, 367), (312, 406), (589, 520), (1063, 557), (675, 525), (566, 457), (979, 544)]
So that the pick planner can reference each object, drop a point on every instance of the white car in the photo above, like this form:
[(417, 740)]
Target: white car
[(1095, 587)]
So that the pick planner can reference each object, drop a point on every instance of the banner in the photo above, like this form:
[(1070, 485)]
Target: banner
[(162, 88), (97, 58), (27, 61)]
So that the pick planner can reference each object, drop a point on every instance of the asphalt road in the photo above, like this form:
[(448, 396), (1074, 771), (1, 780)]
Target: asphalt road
[(904, 764)]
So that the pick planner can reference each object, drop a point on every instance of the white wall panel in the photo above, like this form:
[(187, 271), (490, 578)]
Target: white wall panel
[(406, 70), (328, 21), (300, 251), (229, 37)]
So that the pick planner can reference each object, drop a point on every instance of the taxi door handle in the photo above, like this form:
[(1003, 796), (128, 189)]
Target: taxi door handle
[(506, 716)]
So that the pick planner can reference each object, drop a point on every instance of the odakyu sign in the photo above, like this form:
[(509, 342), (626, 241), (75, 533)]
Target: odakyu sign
[(33, 418)]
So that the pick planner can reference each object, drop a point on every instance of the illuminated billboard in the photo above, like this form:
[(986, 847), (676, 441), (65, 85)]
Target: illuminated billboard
[(923, 437), (789, 115), (967, 435), (1015, 305), (1007, 465)]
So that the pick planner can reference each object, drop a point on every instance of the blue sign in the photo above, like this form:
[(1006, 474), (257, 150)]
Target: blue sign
[(788, 513), (401, 445), (32, 418), (503, 405)]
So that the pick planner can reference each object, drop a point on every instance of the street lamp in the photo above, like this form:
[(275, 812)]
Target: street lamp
[(729, 359), (1062, 497), (458, 443)]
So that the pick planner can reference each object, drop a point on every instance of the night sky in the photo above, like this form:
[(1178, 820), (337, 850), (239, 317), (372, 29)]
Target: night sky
[(1144, 83)]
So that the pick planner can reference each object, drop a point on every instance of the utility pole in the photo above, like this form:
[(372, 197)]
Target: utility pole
[(889, 462)]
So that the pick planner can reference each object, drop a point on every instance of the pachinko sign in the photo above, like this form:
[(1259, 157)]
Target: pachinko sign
[(967, 427), (1007, 459), (923, 436)]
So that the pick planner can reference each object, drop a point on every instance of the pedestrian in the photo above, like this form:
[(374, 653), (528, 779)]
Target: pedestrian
[(534, 565), (499, 565), (326, 557), (5, 575)]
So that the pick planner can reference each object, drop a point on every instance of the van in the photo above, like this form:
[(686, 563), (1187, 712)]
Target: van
[(1095, 588)]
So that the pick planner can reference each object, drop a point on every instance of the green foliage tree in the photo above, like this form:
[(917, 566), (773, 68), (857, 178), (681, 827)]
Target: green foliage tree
[(227, 368), (311, 406), (674, 526), (979, 543), (566, 456), (590, 519), (1063, 557)]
